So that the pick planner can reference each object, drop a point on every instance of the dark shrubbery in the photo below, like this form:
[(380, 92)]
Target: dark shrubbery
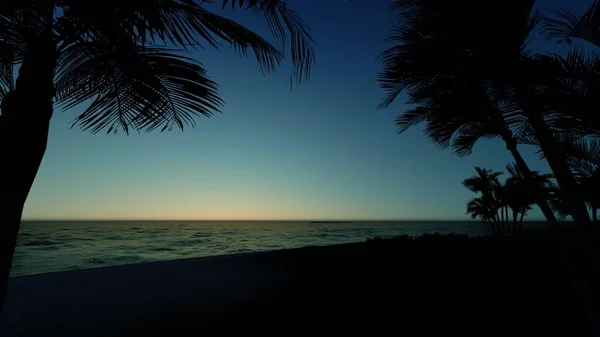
[(410, 286)]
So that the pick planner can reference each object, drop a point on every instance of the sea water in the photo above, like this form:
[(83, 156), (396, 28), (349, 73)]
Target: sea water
[(52, 246)]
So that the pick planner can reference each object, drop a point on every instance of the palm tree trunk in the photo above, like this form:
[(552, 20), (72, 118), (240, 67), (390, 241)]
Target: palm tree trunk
[(494, 230), (557, 161), (498, 222), (506, 217), (594, 215), (24, 129), (514, 224), (511, 145), (501, 220), (521, 220)]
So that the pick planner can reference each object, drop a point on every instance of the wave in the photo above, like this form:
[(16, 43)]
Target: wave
[(41, 243)]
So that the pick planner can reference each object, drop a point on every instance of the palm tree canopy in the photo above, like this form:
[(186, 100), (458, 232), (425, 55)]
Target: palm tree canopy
[(482, 207), (428, 45), (485, 181), (522, 192), (457, 116), (129, 57), (568, 100), (459, 80)]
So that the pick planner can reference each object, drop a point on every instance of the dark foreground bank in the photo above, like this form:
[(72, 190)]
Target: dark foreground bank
[(414, 287)]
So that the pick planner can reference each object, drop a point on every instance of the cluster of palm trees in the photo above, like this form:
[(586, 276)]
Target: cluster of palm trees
[(468, 70), (516, 195)]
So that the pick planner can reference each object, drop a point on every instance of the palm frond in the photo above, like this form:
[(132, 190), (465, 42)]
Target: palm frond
[(468, 135), (563, 25), (412, 117), (485, 181), (143, 89), (242, 39), (479, 208), (533, 21), (7, 65), (185, 23), (279, 19), (584, 156)]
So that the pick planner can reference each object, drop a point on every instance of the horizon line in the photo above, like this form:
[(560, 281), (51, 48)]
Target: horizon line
[(265, 220)]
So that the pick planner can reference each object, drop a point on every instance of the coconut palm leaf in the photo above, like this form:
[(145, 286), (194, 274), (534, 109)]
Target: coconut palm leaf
[(279, 19), (584, 156), (185, 23), (181, 24), (457, 116), (563, 26), (112, 52), (569, 99), (142, 89), (480, 208), (7, 66), (465, 138)]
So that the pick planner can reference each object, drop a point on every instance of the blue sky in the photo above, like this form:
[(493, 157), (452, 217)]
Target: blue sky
[(322, 151)]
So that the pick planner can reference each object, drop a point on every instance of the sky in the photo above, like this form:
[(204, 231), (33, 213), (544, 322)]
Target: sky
[(320, 151)]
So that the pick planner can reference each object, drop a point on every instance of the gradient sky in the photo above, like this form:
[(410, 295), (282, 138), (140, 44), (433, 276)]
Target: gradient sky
[(322, 151)]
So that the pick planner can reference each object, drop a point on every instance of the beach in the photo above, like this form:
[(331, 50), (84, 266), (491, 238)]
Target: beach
[(481, 286), (82, 302)]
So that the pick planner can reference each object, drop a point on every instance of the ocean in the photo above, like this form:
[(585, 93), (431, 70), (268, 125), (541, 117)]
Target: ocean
[(53, 246)]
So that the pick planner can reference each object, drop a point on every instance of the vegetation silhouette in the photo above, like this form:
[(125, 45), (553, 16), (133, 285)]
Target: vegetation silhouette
[(127, 58), (479, 79), (585, 161), (471, 86), (516, 194)]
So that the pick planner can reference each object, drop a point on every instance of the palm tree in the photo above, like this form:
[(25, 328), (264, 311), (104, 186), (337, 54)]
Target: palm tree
[(484, 209), (524, 192), (490, 206), (460, 118), (485, 181), (127, 58), (585, 161), (433, 56)]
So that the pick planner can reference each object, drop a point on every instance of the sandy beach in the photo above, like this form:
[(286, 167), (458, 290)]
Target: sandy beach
[(466, 286), (96, 302)]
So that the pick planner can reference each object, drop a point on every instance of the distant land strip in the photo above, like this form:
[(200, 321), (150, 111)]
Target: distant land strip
[(330, 222)]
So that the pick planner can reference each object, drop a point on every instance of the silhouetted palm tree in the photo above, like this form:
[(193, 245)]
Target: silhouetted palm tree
[(127, 58), (491, 206), (433, 57), (585, 161), (459, 118), (486, 210), (485, 181), (523, 193)]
